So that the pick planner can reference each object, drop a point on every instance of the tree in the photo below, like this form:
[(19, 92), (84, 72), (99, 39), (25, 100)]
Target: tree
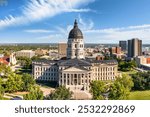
[(4, 70), (28, 82), (98, 88), (35, 58), (141, 81), (121, 87), (14, 83), (133, 64), (126, 66), (25, 61), (34, 94), (6, 53), (1, 90), (61, 93)]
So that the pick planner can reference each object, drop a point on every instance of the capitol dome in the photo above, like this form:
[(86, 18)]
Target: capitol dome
[(75, 33)]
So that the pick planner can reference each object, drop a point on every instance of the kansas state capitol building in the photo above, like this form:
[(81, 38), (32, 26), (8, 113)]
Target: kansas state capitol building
[(76, 71)]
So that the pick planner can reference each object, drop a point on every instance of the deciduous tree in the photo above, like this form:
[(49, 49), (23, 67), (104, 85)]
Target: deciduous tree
[(121, 87), (28, 82), (14, 83), (61, 93), (34, 94), (141, 81), (98, 88), (1, 89)]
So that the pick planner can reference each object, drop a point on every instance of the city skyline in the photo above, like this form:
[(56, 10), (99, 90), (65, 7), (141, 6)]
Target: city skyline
[(48, 21)]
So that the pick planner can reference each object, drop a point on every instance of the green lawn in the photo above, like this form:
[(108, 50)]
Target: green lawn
[(139, 95)]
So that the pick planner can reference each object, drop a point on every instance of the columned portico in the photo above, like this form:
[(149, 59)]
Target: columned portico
[(78, 80)]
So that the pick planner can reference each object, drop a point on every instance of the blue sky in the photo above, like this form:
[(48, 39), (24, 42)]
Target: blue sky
[(49, 21)]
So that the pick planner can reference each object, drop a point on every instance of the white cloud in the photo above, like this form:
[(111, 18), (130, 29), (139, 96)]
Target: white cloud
[(36, 10), (79, 10), (50, 37), (38, 31), (109, 35), (85, 25), (10, 20), (140, 26), (113, 35)]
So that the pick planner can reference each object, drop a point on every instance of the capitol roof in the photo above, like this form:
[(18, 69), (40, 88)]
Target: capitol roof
[(75, 33)]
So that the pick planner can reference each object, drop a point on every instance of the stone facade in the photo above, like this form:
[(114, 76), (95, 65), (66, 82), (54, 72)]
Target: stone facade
[(75, 73)]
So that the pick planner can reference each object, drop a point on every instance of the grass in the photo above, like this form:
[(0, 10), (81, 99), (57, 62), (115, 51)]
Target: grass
[(139, 95)]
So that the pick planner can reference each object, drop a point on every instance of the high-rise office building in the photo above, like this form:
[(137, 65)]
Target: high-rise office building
[(123, 45), (134, 47)]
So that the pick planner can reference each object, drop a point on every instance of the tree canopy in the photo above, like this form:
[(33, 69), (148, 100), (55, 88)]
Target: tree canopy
[(116, 90), (141, 81), (121, 87), (4, 70), (28, 82), (61, 93), (34, 94), (14, 83), (25, 62), (126, 66), (1, 89), (98, 88)]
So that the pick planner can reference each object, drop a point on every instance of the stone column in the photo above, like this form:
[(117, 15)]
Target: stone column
[(84, 81), (59, 78), (73, 80), (66, 78), (80, 78), (62, 79), (69, 79), (77, 79), (88, 76)]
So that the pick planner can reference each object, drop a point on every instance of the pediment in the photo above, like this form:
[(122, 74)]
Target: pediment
[(75, 69)]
